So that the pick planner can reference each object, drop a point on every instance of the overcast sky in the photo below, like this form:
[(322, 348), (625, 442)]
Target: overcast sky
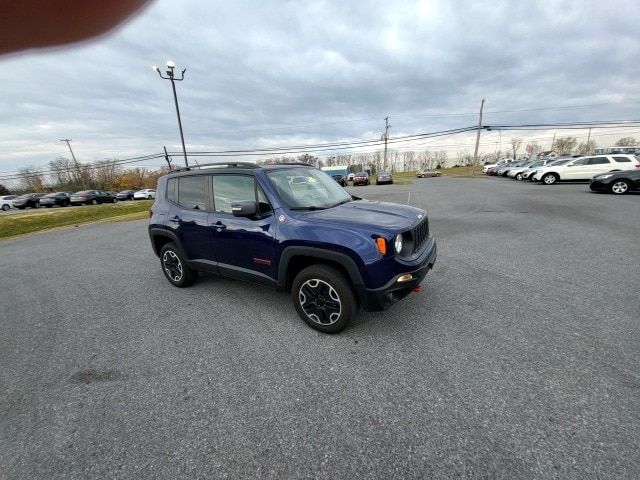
[(280, 73)]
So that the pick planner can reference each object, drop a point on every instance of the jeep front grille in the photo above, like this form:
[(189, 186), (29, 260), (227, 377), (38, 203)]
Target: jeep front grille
[(420, 234)]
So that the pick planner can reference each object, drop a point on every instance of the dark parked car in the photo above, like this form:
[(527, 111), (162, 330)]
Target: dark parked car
[(361, 178), (125, 195), (92, 197), (291, 227), (28, 200), (617, 183), (340, 179), (58, 198), (384, 177)]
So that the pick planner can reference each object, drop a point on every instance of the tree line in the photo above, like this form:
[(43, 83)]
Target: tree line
[(65, 175)]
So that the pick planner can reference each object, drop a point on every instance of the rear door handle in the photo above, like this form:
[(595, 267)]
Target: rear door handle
[(219, 225), (175, 219)]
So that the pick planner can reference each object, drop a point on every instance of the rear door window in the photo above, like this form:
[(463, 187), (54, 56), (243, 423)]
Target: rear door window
[(192, 192)]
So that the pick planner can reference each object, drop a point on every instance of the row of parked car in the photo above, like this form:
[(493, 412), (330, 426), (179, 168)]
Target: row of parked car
[(618, 173), (66, 199)]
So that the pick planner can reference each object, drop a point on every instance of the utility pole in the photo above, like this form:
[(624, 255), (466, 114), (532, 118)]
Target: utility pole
[(553, 141), (75, 162), (173, 78), (386, 137), (475, 153), (588, 138)]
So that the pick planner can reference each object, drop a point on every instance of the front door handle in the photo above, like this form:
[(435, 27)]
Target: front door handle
[(219, 225), (175, 219)]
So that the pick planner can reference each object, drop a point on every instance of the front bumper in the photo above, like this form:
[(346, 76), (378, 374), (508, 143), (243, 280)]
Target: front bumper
[(598, 186), (374, 300)]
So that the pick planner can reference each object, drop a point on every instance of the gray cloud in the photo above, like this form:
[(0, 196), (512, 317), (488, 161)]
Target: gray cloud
[(276, 73)]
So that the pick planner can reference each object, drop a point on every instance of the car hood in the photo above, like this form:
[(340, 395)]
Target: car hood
[(368, 215)]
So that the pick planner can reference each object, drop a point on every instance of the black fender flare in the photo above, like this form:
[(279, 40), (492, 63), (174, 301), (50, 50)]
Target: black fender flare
[(161, 232), (338, 257)]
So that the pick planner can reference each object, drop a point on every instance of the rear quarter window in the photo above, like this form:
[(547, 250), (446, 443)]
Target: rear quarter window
[(622, 159)]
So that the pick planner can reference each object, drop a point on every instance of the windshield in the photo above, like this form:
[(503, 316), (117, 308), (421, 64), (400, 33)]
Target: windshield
[(307, 188)]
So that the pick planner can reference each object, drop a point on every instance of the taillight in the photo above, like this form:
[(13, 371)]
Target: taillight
[(637, 165)]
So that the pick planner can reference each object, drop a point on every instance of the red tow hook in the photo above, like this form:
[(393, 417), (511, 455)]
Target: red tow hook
[(417, 288)]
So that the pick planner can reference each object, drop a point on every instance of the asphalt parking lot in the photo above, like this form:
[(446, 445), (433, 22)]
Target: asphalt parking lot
[(520, 359)]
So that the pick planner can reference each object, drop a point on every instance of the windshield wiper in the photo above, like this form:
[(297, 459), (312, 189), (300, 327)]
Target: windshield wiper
[(340, 203), (312, 207)]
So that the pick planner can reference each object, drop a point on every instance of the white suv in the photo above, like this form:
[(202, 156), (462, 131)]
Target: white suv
[(585, 168)]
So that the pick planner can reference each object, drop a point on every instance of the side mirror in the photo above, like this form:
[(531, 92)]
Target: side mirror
[(244, 209)]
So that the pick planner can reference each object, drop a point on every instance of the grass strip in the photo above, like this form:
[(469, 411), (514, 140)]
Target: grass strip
[(45, 219)]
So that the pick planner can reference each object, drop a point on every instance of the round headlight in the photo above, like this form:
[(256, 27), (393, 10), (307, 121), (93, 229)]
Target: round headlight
[(397, 244)]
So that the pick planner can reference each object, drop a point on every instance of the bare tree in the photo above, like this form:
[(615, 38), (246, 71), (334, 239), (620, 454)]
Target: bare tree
[(566, 145), (627, 142), (32, 180), (516, 143), (586, 148), (106, 174)]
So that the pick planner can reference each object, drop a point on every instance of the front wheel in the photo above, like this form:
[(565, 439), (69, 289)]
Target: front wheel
[(5, 207), (519, 176), (175, 268), (94, 202), (620, 187), (323, 298), (550, 179), (37, 205)]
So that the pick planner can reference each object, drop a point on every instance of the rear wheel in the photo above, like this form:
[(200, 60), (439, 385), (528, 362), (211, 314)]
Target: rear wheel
[(519, 176), (323, 298), (550, 178), (36, 205), (620, 187), (175, 268)]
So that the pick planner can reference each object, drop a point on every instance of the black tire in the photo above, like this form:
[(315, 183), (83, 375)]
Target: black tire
[(175, 268), (66, 204), (94, 201), (620, 187), (149, 197), (114, 200), (519, 176), (36, 205), (5, 207), (334, 292), (550, 178)]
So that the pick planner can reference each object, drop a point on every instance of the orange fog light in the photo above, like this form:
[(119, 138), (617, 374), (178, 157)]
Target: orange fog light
[(405, 278)]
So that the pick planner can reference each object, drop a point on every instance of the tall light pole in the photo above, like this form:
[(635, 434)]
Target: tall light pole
[(173, 78)]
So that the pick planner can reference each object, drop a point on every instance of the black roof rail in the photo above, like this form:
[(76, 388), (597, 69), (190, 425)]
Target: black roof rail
[(216, 164), (292, 163)]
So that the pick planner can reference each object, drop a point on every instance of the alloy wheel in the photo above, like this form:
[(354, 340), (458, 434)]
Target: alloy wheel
[(620, 187), (320, 301), (172, 265)]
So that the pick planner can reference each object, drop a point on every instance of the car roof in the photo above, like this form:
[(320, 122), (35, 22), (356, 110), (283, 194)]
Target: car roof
[(233, 167)]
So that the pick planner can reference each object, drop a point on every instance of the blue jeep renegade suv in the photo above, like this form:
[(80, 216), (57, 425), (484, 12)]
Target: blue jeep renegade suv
[(293, 227)]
